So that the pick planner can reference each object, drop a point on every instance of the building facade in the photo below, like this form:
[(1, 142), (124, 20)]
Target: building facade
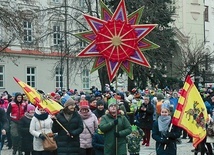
[(44, 54)]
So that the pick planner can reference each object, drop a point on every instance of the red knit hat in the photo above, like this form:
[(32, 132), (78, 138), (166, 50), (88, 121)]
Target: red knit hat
[(83, 104)]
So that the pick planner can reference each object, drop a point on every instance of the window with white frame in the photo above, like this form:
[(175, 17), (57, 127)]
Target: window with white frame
[(85, 79), (1, 76), (82, 44), (59, 77), (55, 1), (27, 31), (206, 14), (56, 35), (1, 34), (31, 76), (81, 3)]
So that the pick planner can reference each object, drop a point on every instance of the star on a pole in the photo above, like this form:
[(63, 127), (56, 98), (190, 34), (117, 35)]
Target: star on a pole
[(117, 40)]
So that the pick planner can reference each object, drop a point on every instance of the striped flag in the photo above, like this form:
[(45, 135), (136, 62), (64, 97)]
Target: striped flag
[(191, 113), (37, 99), (33, 96)]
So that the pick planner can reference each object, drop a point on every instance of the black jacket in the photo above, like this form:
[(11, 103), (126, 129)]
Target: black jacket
[(145, 118), (26, 137), (170, 146), (3, 121), (74, 126)]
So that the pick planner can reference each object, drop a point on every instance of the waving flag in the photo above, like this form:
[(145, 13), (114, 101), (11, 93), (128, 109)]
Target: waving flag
[(38, 99), (191, 113)]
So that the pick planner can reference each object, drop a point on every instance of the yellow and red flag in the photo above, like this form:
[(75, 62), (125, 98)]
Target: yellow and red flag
[(37, 99), (191, 113)]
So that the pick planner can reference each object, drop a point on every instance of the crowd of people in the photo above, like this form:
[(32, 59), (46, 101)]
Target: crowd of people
[(96, 123)]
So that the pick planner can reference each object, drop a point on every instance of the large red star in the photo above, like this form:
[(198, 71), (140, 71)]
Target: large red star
[(116, 41)]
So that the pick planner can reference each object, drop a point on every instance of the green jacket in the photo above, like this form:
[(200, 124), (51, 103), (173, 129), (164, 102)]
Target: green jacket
[(107, 126)]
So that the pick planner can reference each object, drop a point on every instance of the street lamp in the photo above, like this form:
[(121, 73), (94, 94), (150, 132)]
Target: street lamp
[(61, 63)]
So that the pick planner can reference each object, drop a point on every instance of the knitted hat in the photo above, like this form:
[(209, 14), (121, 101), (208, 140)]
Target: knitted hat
[(100, 102), (83, 104), (134, 128), (112, 101), (69, 102), (166, 105), (30, 107), (64, 99)]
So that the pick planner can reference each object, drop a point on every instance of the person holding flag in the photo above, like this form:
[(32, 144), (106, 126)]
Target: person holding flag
[(164, 133), (191, 113)]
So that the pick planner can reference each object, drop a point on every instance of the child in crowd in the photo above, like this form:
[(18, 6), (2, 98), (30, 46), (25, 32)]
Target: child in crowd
[(164, 133), (133, 140), (98, 142)]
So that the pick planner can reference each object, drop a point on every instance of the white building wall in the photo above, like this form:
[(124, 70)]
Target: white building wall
[(16, 66), (189, 19), (209, 27), (44, 65)]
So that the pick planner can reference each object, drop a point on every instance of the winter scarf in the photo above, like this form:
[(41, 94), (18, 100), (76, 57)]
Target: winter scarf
[(39, 115), (163, 123)]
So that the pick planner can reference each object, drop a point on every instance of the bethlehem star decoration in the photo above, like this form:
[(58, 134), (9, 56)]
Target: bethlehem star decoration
[(116, 40)]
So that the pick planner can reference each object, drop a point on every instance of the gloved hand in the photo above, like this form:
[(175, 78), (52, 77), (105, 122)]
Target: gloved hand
[(55, 136), (115, 121), (170, 135), (116, 134), (42, 136), (165, 141)]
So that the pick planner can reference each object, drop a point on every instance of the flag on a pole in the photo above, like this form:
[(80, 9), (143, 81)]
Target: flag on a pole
[(191, 113), (37, 99)]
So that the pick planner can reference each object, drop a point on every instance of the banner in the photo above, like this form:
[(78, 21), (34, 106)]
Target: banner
[(191, 113)]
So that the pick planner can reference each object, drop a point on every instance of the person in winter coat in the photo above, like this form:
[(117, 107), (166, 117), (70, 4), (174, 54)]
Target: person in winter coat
[(145, 119), (133, 140), (40, 124), (164, 136), (68, 142), (100, 111), (90, 124), (115, 127), (15, 111), (3, 124), (26, 137), (98, 142)]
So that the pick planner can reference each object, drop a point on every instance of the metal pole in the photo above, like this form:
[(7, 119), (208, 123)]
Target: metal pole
[(66, 44), (61, 67)]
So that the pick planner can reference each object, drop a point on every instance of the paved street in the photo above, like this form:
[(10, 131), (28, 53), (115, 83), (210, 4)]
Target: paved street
[(183, 149)]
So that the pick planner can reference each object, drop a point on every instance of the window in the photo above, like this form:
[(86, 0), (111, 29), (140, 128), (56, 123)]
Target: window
[(27, 31), (83, 44), (1, 35), (31, 74), (206, 14), (56, 35), (172, 6), (85, 78), (1, 76), (56, 1), (59, 77), (81, 3)]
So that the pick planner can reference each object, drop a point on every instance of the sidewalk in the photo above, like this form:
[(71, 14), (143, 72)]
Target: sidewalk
[(182, 149)]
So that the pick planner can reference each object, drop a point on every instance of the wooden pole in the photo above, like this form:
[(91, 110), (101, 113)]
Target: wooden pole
[(116, 127)]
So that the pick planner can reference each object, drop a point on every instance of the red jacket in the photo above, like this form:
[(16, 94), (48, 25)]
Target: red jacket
[(17, 111)]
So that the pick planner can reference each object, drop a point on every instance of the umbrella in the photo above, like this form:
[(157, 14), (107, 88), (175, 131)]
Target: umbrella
[(38, 99)]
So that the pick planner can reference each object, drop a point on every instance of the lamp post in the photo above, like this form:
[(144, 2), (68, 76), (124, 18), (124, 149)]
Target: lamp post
[(61, 63)]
